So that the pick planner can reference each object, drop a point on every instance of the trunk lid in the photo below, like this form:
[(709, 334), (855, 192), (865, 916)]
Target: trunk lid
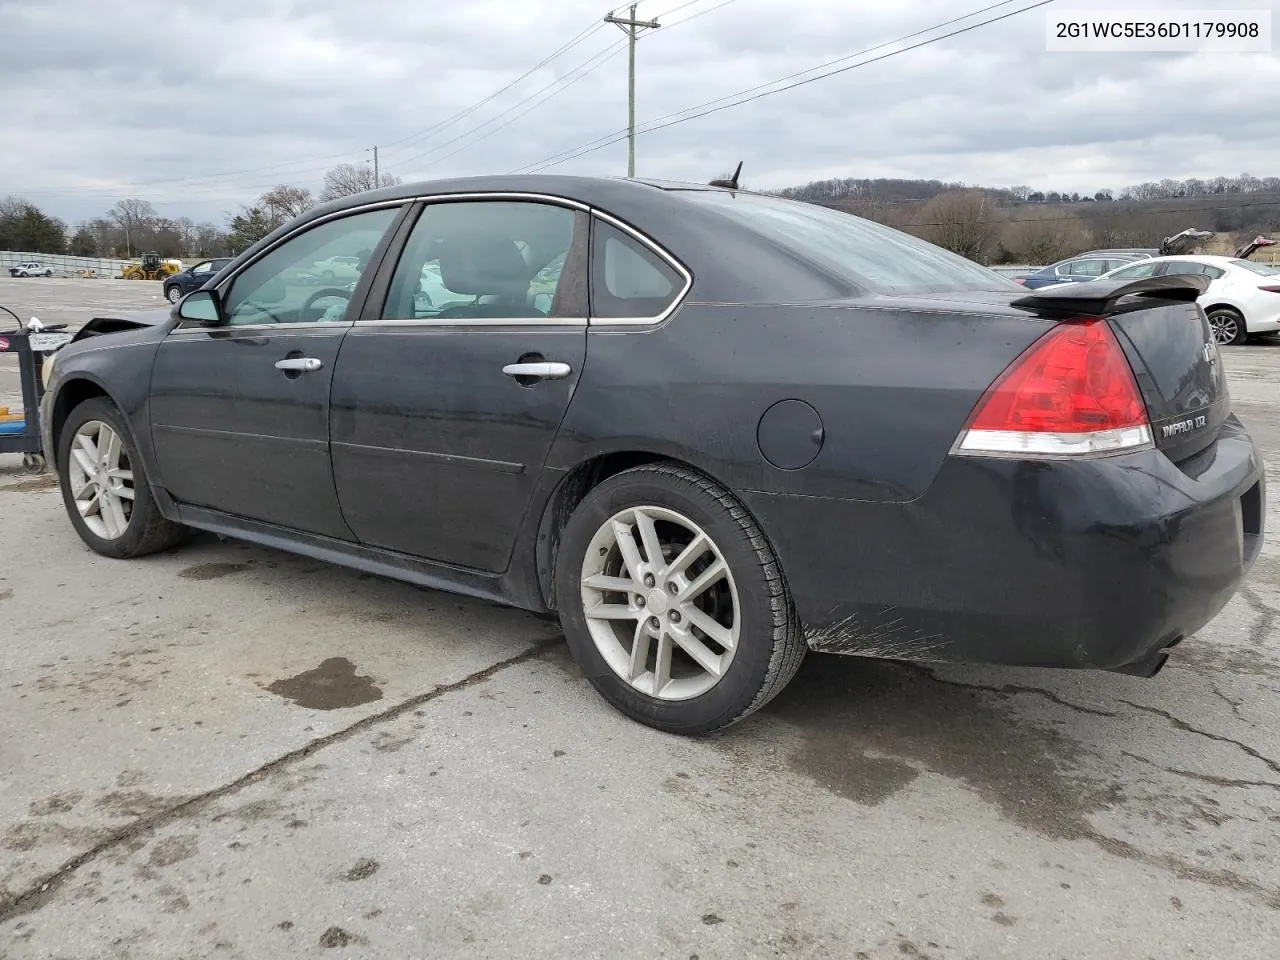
[(1170, 347)]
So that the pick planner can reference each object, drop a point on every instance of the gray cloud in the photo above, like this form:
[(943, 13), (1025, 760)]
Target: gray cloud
[(203, 108)]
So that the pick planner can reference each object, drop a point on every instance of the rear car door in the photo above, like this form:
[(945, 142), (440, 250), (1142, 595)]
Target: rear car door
[(446, 401), (240, 411)]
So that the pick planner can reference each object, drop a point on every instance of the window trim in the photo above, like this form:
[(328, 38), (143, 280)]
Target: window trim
[(663, 254), (393, 242), (384, 244)]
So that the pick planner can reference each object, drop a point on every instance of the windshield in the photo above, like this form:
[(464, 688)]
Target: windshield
[(1259, 268), (868, 254)]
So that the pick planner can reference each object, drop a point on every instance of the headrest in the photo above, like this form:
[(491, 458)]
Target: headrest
[(484, 265)]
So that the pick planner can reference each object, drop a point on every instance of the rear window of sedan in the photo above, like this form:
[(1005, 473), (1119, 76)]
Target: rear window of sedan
[(867, 254)]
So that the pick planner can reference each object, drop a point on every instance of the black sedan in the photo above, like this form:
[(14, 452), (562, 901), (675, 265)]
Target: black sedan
[(711, 430)]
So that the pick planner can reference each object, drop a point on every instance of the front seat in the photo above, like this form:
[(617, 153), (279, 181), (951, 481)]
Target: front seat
[(484, 265)]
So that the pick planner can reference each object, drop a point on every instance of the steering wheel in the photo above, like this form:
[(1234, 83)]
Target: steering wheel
[(275, 317), (320, 295)]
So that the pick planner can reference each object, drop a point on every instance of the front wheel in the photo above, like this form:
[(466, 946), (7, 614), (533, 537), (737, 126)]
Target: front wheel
[(104, 485), (1229, 328), (173, 294), (673, 603)]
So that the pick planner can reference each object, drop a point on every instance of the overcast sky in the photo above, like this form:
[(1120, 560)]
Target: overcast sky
[(200, 106)]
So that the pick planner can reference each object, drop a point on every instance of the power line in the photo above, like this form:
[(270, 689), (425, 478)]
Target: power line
[(761, 91), (563, 83)]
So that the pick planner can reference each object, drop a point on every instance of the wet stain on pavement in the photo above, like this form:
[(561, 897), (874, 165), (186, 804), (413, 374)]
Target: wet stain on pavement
[(850, 713), (362, 869), (133, 803), (211, 571), (331, 686), (57, 803), (5, 594), (172, 850)]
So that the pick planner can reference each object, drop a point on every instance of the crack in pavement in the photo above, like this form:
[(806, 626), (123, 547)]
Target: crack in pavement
[(43, 889), (1011, 689), (1180, 724), (1203, 777)]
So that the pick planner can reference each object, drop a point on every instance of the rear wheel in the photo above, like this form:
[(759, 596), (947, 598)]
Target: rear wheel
[(104, 485), (1228, 326), (673, 602)]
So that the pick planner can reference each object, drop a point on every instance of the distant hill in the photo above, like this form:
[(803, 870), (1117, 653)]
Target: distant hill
[(1023, 225)]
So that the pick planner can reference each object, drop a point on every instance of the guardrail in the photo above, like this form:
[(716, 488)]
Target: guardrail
[(63, 265)]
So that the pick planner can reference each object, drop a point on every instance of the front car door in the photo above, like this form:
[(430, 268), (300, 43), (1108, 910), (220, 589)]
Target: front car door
[(240, 411), (446, 401)]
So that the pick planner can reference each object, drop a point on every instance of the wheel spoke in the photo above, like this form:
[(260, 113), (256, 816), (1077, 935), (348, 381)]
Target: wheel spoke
[(649, 538), (611, 611), (599, 581), (717, 632), (119, 473), (630, 552), (124, 493), (699, 651), (85, 458), (696, 548), (113, 514), (639, 652), (662, 663), (111, 452), (83, 486), (704, 580), (87, 507)]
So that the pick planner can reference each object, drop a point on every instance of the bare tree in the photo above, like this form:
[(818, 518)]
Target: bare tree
[(1046, 240), (287, 202), (963, 221), (350, 178), (131, 215)]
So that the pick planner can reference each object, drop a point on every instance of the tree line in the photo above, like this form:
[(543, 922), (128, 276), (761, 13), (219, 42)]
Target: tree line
[(133, 226), (1022, 225)]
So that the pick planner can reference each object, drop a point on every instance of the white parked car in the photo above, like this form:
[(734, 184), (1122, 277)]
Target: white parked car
[(30, 268), (1243, 298)]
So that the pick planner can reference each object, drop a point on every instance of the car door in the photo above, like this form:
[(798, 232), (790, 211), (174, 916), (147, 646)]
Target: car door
[(447, 399), (240, 410)]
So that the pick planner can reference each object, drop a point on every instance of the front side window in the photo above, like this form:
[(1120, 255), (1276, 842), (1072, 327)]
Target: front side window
[(629, 280), (861, 252), (494, 259), (269, 290)]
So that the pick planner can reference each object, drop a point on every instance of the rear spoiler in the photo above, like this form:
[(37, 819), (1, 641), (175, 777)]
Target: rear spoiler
[(1100, 298)]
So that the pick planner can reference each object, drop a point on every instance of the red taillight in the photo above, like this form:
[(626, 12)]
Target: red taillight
[(1072, 393), (1271, 289), (1020, 280)]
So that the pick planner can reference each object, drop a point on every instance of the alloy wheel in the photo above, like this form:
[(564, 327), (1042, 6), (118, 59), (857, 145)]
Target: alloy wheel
[(660, 603), (1226, 328), (175, 294), (101, 479)]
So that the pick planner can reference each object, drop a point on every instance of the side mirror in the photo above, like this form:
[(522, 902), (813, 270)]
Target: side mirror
[(202, 307)]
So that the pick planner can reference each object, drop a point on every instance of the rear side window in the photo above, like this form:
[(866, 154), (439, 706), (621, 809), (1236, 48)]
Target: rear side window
[(860, 252), (629, 280), (1135, 272), (1087, 268)]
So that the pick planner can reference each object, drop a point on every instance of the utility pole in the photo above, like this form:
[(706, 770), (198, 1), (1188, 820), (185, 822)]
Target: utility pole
[(631, 27), (376, 181)]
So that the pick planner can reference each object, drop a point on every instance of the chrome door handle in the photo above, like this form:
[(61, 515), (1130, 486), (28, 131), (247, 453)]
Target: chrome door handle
[(299, 364), (545, 370)]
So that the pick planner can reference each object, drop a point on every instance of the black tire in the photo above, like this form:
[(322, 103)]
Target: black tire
[(1227, 318), (770, 646), (147, 530), (173, 294)]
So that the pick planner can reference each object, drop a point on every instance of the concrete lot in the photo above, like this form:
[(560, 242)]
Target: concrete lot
[(230, 752)]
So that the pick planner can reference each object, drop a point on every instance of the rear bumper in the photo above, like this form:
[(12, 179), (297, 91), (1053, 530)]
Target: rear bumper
[(1100, 564)]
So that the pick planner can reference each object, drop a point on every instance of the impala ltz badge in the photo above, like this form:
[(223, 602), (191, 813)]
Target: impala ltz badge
[(1183, 426)]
